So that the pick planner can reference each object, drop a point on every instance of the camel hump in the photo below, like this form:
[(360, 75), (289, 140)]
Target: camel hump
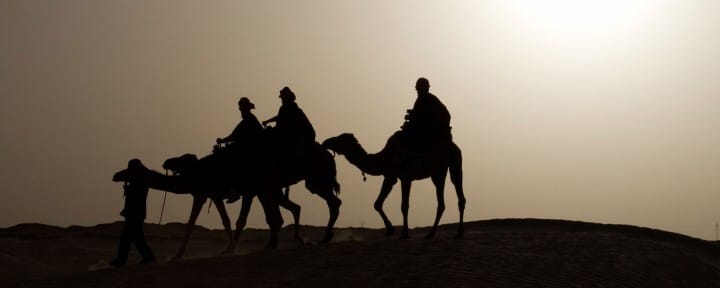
[(396, 139), (410, 145)]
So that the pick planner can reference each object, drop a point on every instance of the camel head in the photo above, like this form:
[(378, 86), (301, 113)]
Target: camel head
[(341, 144), (181, 165)]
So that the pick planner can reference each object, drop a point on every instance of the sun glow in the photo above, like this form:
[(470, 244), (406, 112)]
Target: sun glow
[(580, 18)]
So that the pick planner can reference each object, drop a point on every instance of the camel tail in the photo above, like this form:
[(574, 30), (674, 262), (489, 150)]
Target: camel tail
[(330, 169), (336, 187)]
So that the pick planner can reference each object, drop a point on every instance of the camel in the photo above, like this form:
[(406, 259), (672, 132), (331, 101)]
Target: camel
[(319, 175), (317, 168), (398, 160), (202, 189)]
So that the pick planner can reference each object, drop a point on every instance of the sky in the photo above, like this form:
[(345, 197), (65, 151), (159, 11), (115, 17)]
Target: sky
[(600, 111)]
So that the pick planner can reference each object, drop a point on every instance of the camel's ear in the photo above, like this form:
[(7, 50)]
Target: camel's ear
[(352, 136)]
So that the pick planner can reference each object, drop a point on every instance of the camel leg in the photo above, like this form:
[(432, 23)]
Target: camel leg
[(226, 224), (387, 186), (405, 207), (333, 203), (294, 208), (242, 218), (325, 188), (269, 200), (456, 176), (198, 202), (439, 181)]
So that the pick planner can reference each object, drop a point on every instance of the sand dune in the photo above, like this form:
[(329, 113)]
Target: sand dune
[(495, 253)]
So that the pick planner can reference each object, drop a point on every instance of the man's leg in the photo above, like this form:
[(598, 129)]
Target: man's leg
[(141, 244), (123, 246)]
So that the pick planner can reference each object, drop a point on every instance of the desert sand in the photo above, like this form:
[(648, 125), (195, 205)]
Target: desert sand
[(494, 253)]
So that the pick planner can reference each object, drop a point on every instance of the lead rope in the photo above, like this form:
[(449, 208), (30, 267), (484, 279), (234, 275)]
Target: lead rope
[(162, 210), (363, 172)]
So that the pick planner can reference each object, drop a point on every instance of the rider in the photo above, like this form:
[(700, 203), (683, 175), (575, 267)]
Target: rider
[(429, 120), (293, 133), (248, 130), (292, 125), (245, 140)]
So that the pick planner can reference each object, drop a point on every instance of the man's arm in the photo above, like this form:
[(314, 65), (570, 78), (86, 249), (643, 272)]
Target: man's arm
[(273, 119), (120, 176)]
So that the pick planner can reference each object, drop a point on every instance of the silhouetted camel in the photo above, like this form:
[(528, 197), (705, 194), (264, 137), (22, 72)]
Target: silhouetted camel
[(318, 172), (317, 167), (217, 190), (397, 161)]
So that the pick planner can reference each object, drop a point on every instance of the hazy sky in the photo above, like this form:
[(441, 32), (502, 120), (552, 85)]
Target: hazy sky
[(602, 111)]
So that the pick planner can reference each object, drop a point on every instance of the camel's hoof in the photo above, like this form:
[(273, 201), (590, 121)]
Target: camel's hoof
[(176, 258), (300, 240), (430, 236), (327, 238), (460, 235), (227, 251), (270, 246), (389, 231), (404, 235)]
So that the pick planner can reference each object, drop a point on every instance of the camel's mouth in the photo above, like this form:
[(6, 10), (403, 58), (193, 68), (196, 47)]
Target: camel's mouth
[(331, 143), (171, 168), (327, 144), (172, 172)]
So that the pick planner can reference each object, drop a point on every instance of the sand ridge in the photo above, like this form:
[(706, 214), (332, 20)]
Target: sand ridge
[(495, 253)]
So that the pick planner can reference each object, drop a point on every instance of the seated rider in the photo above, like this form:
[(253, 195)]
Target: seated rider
[(245, 139), (293, 133), (428, 122), (292, 126), (248, 132)]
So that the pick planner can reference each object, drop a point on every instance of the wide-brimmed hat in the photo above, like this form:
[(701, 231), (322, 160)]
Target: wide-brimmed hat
[(245, 103)]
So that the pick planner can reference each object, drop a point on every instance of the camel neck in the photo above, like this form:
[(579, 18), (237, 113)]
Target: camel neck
[(368, 163)]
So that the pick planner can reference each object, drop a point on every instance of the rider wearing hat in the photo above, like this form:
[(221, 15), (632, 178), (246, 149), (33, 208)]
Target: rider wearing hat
[(248, 129), (292, 125), (245, 138), (293, 134)]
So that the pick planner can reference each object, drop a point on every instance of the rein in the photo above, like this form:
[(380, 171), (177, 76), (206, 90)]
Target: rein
[(162, 210), (363, 172)]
